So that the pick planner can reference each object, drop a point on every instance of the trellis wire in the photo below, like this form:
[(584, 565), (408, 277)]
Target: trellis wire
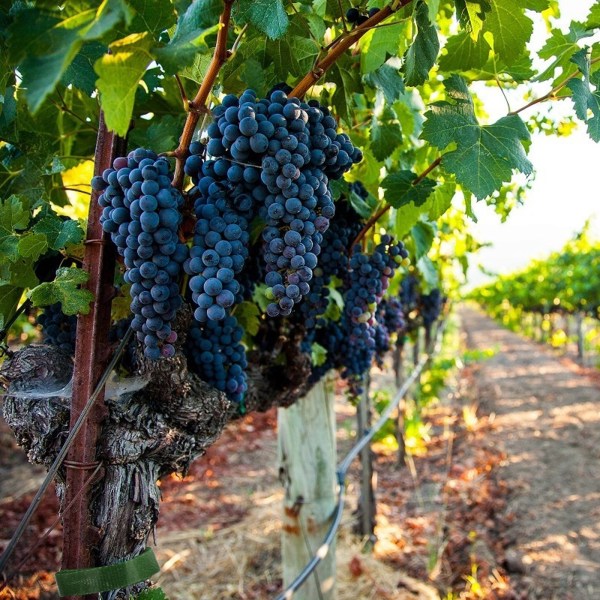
[(343, 467), (4, 558)]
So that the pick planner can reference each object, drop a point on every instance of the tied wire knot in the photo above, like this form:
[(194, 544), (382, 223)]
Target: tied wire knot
[(99, 241)]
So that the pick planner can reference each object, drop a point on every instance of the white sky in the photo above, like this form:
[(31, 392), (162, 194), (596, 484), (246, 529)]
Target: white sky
[(565, 192)]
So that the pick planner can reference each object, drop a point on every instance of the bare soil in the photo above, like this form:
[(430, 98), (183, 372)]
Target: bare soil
[(547, 416)]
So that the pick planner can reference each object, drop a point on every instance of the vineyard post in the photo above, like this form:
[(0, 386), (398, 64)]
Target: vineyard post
[(307, 459), (580, 337), (91, 354), (399, 380), (366, 502)]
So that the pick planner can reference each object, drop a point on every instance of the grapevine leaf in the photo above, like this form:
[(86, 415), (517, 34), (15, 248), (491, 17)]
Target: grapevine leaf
[(161, 135), (64, 289), (510, 27), (80, 73), (593, 20), (400, 189), (423, 235), (59, 233), (420, 57), (335, 301), (471, 15), (248, 316), (385, 138), (154, 16), (485, 156), (259, 296), (318, 354), (364, 208), (346, 83), (14, 217), (462, 53), (379, 44), (388, 80), (120, 73), (585, 99), (433, 208), (33, 245), (268, 16), (428, 271), (18, 273), (559, 49), (9, 300)]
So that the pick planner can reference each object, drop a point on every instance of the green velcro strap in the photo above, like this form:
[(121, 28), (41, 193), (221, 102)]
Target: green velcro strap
[(78, 582)]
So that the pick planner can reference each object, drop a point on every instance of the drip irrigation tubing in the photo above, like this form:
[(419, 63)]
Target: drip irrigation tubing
[(344, 465), (20, 530)]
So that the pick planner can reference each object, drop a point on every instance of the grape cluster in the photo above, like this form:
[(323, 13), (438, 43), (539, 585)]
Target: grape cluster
[(273, 158), (218, 357), (409, 298), (141, 213), (333, 262), (58, 329), (389, 320), (431, 307), (355, 17), (368, 281)]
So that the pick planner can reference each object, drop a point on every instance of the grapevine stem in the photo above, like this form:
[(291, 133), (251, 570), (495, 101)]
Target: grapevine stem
[(387, 207), (550, 94), (198, 105), (345, 42)]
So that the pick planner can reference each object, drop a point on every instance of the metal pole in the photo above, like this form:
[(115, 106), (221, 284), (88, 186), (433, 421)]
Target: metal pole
[(91, 354)]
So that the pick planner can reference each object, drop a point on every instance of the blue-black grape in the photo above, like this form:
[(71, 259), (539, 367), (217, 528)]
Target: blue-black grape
[(141, 211), (217, 355), (431, 307), (58, 329)]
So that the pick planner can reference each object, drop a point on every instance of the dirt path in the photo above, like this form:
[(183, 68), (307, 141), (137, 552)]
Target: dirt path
[(547, 422)]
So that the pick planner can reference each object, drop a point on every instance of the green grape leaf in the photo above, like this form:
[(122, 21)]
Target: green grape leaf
[(471, 15), (248, 316), (388, 80), (385, 136), (161, 135), (80, 73), (429, 272), (318, 354), (64, 289), (120, 74), (438, 202), (485, 156), (259, 296), (51, 45), (559, 49), (400, 189), (423, 234), (585, 98), (14, 217), (462, 53), (335, 301), (421, 55), (18, 273), (511, 29), (593, 20), (379, 44), (268, 16), (9, 300), (363, 207), (59, 233), (33, 245), (154, 16)]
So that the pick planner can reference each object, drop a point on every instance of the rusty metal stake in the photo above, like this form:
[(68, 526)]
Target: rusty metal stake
[(91, 356)]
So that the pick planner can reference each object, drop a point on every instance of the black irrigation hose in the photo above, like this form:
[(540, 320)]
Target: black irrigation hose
[(343, 467), (4, 558)]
